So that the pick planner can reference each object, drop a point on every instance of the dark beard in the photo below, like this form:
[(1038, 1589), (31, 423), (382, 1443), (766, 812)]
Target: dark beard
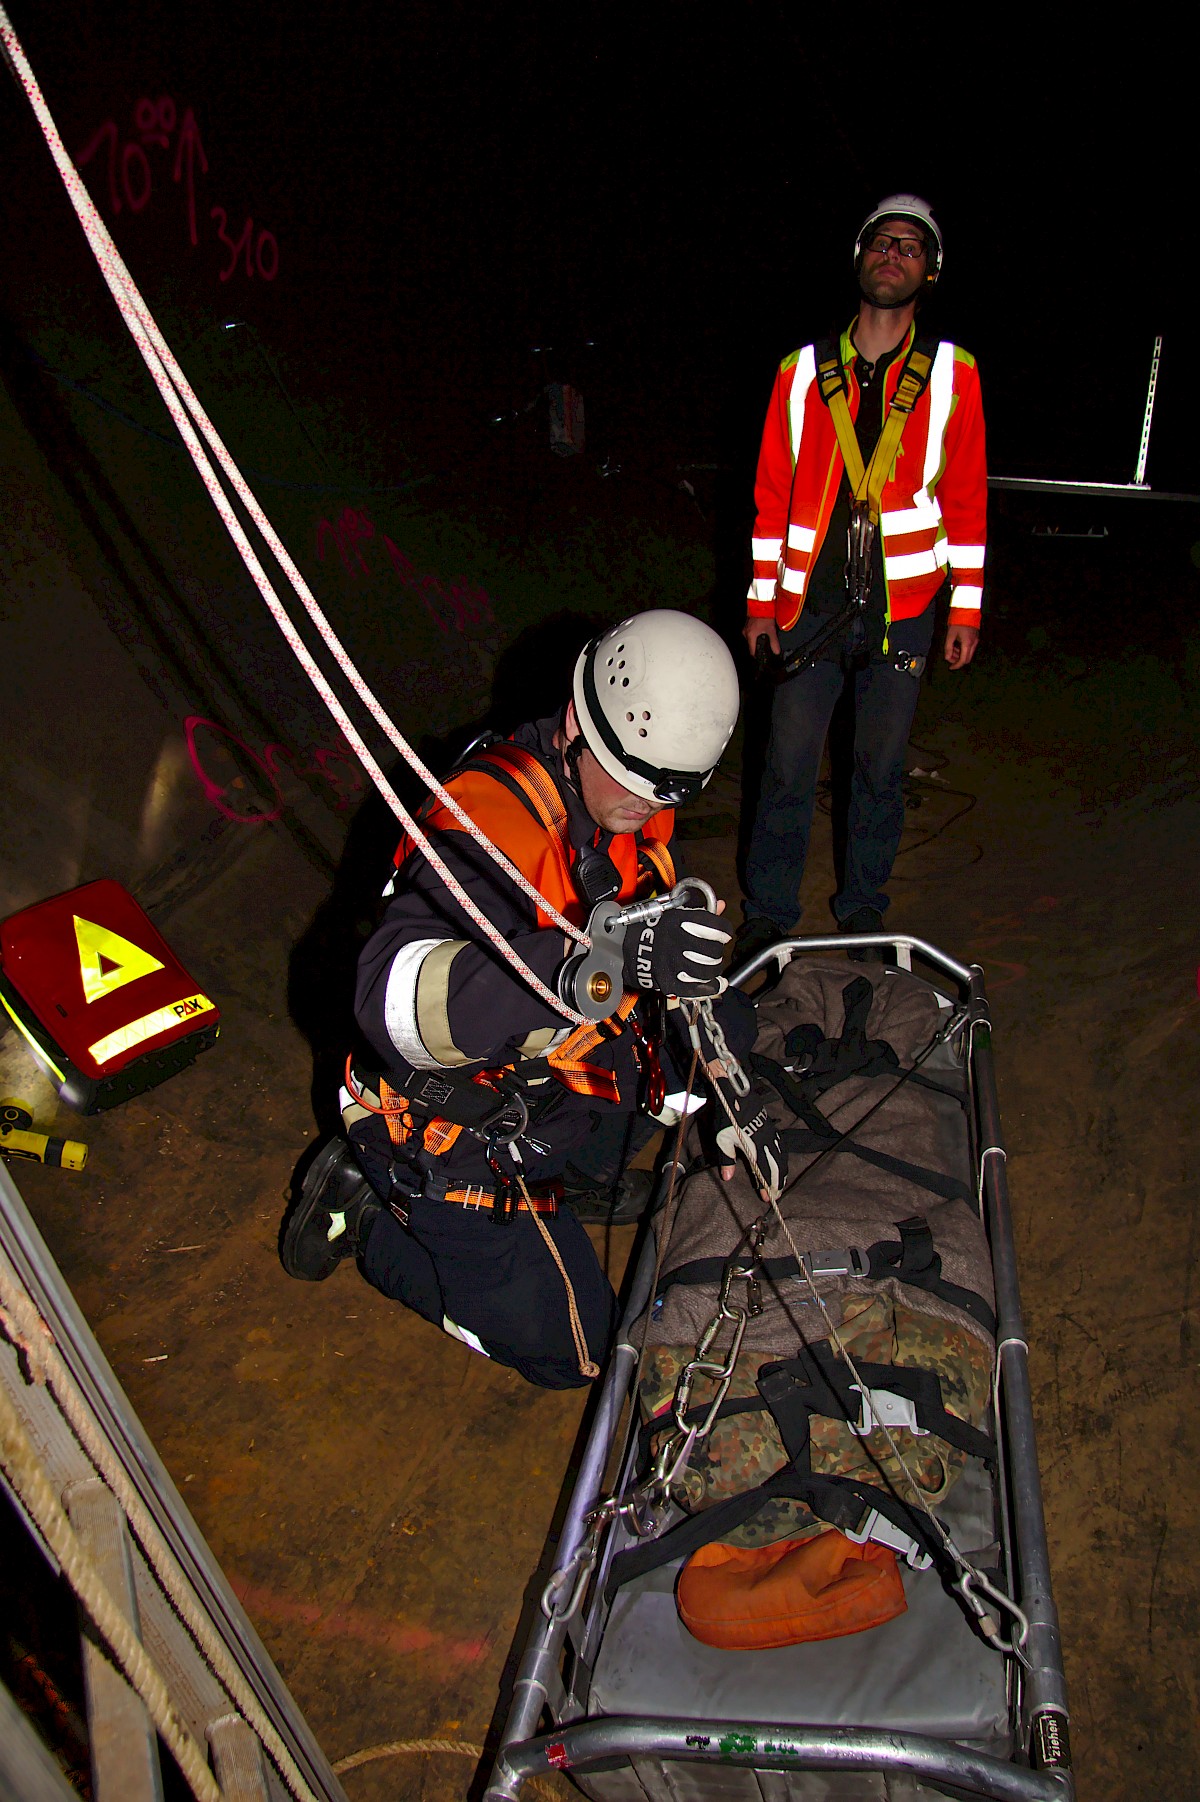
[(885, 305)]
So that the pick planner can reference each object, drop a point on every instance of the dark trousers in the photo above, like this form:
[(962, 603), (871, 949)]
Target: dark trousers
[(885, 700), (497, 1286)]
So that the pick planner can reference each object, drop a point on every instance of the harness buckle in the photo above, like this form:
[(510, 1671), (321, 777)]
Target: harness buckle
[(881, 1407), (876, 1527)]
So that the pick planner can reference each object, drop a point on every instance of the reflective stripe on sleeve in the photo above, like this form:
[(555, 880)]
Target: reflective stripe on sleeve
[(763, 589), (966, 556), (792, 581), (766, 550), (801, 538), (400, 1002), (433, 1004)]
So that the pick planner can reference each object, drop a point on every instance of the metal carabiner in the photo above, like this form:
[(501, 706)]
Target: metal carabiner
[(506, 1140)]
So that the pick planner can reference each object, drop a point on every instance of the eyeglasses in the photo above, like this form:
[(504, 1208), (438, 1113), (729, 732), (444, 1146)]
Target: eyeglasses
[(882, 242)]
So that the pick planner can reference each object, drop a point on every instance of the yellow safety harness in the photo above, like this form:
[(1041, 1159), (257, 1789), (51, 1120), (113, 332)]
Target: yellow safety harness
[(867, 482)]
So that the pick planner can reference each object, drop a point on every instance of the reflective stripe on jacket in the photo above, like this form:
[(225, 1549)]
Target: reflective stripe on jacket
[(934, 502)]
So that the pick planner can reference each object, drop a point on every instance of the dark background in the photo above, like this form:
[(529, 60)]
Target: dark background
[(452, 184)]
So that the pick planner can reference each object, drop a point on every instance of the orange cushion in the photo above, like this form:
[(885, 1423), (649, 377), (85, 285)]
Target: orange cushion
[(776, 1595)]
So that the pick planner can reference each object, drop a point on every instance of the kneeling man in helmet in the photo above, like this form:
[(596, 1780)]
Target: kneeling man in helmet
[(484, 1125)]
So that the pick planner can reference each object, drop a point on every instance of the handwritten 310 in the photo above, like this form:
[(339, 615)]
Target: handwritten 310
[(131, 181)]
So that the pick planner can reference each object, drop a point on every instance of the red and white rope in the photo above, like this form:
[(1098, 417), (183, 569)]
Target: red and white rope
[(184, 408)]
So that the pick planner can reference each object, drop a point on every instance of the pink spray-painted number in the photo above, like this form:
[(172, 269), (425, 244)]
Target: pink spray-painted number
[(456, 606), (250, 252)]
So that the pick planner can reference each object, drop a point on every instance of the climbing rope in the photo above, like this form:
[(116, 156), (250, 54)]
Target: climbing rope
[(186, 411), (26, 1473), (395, 1748), (23, 1324)]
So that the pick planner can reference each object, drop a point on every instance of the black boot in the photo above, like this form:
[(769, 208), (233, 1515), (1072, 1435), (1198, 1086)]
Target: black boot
[(865, 919), (615, 1204), (756, 933), (331, 1217)]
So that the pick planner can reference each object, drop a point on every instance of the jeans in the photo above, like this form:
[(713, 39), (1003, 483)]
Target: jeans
[(885, 700)]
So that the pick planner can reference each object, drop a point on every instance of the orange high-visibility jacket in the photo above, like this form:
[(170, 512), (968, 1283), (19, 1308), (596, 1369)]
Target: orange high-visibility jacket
[(934, 502)]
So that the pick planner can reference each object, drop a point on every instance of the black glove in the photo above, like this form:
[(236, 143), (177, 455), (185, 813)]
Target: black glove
[(758, 1128), (679, 954)]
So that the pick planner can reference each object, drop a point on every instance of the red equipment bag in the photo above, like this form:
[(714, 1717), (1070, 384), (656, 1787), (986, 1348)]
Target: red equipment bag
[(102, 1001)]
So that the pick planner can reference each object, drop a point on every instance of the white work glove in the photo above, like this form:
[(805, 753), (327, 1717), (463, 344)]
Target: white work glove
[(680, 953)]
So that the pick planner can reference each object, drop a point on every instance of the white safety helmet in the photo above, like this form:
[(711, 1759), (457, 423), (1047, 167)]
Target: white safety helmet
[(905, 206), (657, 701)]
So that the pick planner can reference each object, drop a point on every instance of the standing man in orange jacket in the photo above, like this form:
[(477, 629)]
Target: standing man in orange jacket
[(872, 484)]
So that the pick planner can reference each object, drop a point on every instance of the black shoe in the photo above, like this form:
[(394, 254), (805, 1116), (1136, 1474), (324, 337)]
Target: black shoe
[(755, 934), (618, 1204), (331, 1218), (865, 919)]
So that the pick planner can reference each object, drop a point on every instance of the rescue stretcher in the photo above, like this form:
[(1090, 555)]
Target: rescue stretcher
[(612, 1688)]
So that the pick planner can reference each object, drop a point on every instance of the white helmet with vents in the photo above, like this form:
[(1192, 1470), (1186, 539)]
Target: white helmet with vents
[(657, 701), (905, 206)]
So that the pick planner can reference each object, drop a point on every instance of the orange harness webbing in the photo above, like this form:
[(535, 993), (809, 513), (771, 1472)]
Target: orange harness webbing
[(516, 767)]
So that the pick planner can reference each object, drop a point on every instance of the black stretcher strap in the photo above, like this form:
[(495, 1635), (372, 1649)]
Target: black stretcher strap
[(803, 1140), (818, 1381), (910, 1259), (838, 1501)]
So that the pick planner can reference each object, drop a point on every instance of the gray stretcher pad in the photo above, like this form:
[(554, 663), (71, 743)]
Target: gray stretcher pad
[(924, 1672)]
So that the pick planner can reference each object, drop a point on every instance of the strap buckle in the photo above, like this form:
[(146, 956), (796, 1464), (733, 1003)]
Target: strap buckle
[(476, 1196), (848, 1261), (876, 1527), (881, 1407)]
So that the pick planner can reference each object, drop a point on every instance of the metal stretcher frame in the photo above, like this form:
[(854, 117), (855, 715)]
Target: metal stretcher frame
[(576, 1742)]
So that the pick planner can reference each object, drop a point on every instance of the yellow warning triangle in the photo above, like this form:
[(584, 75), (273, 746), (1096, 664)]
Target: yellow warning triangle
[(107, 961)]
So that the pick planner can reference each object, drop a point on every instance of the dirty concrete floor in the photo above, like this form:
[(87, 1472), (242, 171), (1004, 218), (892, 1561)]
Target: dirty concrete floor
[(380, 1496)]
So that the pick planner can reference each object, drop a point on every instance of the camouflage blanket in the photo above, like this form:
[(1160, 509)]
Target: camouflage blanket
[(845, 1202), (745, 1449)]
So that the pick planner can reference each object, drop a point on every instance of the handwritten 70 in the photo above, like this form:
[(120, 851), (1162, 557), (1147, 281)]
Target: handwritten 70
[(131, 181)]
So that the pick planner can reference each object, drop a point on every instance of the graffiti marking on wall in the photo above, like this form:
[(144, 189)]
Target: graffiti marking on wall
[(245, 785), (459, 606), (130, 182)]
